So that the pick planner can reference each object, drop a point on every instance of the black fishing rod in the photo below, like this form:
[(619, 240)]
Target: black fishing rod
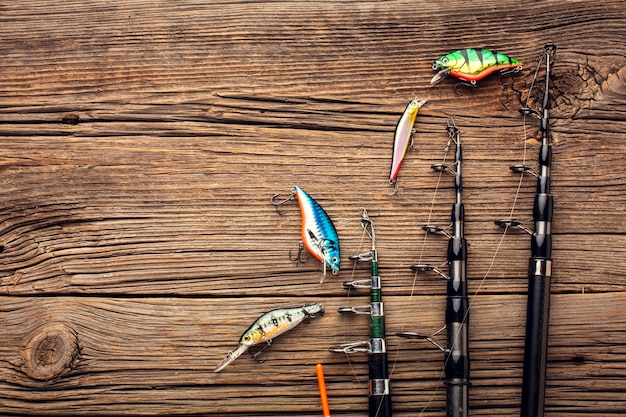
[(457, 362), (376, 346), (540, 265)]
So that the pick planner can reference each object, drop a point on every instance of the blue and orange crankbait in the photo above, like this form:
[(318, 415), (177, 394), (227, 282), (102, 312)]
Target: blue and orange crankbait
[(471, 65), (319, 235)]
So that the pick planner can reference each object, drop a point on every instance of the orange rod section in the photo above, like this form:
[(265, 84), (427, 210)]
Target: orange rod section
[(322, 384)]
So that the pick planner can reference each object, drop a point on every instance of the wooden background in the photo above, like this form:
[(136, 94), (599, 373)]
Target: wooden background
[(140, 142)]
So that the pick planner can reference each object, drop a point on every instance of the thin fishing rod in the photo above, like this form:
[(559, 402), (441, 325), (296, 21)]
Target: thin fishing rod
[(540, 265), (376, 346), (457, 362)]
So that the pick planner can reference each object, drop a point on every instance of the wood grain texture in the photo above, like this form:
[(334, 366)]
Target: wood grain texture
[(140, 143)]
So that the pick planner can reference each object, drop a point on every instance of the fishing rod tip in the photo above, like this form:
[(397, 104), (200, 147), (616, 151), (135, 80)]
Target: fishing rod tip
[(550, 47), (321, 382)]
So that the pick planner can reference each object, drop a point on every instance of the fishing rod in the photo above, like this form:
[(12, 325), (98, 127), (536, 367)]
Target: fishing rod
[(540, 264), (457, 362), (376, 346)]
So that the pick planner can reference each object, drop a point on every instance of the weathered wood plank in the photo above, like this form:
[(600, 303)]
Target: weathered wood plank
[(179, 268), (137, 350), (235, 46), (124, 201), (139, 145)]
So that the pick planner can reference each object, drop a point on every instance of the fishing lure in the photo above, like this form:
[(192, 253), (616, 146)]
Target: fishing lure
[(402, 138), (269, 326), (319, 235), (472, 65)]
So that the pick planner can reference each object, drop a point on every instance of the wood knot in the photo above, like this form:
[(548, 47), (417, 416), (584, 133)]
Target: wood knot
[(70, 119), (50, 352)]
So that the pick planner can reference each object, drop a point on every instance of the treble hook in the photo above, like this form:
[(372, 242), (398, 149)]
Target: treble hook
[(256, 351), (277, 204), (471, 85), (396, 190), (298, 258), (507, 72)]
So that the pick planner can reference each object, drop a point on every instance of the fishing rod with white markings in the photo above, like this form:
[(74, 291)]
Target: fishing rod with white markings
[(376, 346)]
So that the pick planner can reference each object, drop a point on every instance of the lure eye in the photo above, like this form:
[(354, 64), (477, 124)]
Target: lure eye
[(444, 60), (334, 259), (246, 338)]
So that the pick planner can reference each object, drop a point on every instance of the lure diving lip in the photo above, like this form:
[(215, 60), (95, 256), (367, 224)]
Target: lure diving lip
[(270, 325), (471, 65), (402, 137)]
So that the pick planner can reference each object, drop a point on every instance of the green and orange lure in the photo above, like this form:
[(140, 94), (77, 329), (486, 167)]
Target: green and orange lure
[(472, 65)]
